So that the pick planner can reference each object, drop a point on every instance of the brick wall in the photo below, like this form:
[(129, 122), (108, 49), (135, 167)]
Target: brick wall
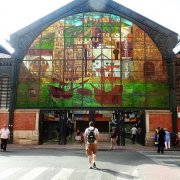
[(162, 120), (4, 118), (155, 118), (26, 130), (24, 121)]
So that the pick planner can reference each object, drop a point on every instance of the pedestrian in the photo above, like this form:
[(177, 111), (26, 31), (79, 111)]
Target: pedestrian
[(5, 135), (133, 133), (67, 132), (167, 139), (91, 139), (161, 140), (156, 136), (57, 133), (78, 137), (71, 130), (114, 138)]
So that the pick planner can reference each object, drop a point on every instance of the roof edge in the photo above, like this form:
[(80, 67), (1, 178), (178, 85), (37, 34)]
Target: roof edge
[(116, 6)]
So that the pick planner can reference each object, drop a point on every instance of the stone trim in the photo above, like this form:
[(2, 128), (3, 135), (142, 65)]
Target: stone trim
[(27, 111), (25, 137), (4, 111)]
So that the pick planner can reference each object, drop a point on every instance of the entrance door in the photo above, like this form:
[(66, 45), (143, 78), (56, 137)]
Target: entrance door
[(49, 122), (125, 121), (141, 125)]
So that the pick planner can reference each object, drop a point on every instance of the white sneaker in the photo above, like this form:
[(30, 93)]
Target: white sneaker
[(90, 167)]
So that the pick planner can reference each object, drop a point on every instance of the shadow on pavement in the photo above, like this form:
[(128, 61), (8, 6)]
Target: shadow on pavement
[(115, 173)]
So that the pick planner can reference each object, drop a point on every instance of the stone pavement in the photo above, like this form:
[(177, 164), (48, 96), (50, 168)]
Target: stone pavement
[(101, 145), (142, 172), (157, 172)]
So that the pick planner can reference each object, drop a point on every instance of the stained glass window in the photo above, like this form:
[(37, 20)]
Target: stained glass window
[(93, 60)]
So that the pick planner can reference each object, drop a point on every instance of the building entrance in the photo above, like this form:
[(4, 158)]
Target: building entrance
[(60, 126), (124, 121)]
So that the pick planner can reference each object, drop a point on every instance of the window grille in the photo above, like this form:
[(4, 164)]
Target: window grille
[(4, 92), (178, 91)]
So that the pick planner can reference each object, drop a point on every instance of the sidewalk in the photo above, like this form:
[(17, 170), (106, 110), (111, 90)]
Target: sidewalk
[(157, 172), (142, 172), (101, 145)]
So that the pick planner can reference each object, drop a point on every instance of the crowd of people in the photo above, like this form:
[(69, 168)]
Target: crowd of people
[(162, 139)]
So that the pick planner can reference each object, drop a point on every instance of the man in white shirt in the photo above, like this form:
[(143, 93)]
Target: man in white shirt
[(133, 133), (91, 146), (5, 135)]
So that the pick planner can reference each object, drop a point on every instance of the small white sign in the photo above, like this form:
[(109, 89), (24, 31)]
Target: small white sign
[(178, 114)]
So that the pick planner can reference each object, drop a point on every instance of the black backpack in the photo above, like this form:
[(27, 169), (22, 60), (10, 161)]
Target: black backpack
[(91, 137)]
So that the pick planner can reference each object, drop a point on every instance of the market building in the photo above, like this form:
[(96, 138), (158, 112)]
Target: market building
[(90, 60)]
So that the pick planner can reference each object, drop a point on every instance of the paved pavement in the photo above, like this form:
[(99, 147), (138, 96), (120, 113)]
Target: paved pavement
[(157, 172), (165, 166), (142, 172)]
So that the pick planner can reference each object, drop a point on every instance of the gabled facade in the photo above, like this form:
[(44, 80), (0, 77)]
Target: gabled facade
[(93, 55)]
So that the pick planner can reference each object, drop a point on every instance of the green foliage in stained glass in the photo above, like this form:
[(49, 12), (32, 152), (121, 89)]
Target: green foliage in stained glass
[(88, 60)]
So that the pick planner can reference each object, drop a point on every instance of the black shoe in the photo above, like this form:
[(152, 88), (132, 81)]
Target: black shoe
[(158, 152), (94, 165)]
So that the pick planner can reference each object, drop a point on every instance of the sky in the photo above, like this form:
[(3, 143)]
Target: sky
[(16, 14)]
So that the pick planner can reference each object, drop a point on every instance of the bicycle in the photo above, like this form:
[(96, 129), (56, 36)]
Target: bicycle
[(175, 140)]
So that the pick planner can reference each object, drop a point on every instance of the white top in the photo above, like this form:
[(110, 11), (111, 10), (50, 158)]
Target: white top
[(4, 133), (134, 130), (95, 132)]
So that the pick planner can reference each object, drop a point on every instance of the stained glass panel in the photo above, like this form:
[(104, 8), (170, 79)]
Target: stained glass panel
[(93, 60)]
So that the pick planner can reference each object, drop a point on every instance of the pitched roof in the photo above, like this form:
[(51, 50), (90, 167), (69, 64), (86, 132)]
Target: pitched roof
[(164, 38), (4, 50), (177, 48)]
